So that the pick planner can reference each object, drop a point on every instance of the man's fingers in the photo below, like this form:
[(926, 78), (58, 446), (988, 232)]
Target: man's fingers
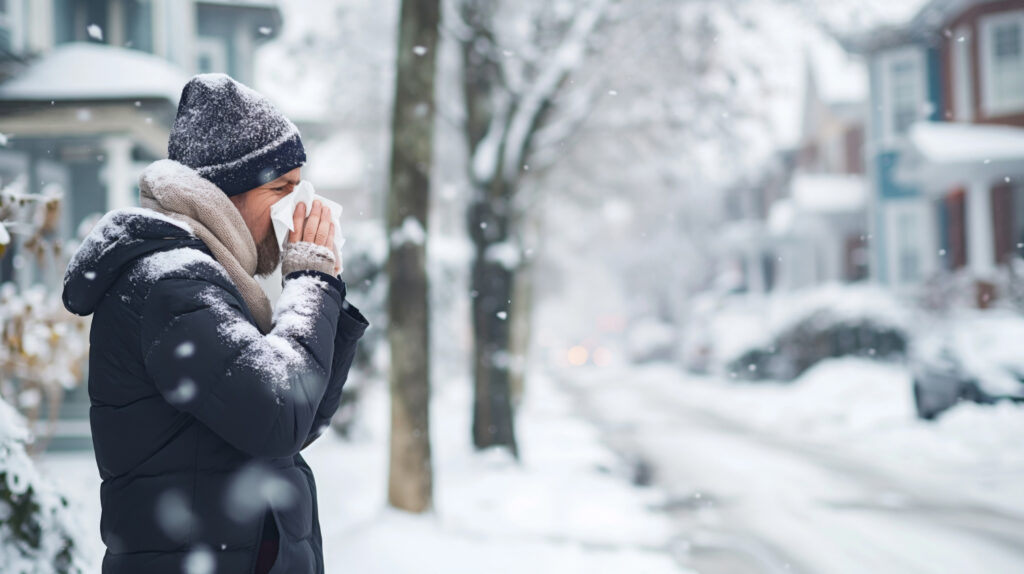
[(324, 229), (312, 223), (330, 244), (298, 223)]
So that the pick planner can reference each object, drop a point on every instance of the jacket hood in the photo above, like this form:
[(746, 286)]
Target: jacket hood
[(117, 240)]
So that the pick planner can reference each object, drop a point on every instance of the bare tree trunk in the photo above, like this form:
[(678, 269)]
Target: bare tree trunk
[(501, 122), (493, 423), (410, 481)]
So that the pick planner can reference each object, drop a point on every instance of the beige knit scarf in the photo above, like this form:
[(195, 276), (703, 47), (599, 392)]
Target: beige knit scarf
[(178, 191)]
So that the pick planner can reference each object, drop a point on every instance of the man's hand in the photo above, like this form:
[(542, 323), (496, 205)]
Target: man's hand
[(317, 228)]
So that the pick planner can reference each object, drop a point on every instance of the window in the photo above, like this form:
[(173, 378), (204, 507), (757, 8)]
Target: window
[(125, 23), (905, 103), (903, 92), (138, 21), (1002, 59), (72, 19), (8, 25)]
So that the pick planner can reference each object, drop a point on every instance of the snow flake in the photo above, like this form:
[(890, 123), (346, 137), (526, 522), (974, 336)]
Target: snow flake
[(184, 392), (200, 561), (502, 315), (505, 253), (419, 50), (95, 32), (186, 349)]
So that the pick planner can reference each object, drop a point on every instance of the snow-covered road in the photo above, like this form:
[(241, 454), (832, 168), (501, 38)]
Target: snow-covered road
[(747, 499)]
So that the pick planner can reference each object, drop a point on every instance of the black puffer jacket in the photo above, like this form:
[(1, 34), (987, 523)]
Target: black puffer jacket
[(197, 418)]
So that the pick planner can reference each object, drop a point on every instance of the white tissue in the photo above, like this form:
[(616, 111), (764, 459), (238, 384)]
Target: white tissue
[(282, 211)]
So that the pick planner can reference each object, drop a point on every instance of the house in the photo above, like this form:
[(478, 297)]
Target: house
[(88, 93), (89, 90), (945, 147), (819, 227), (802, 222)]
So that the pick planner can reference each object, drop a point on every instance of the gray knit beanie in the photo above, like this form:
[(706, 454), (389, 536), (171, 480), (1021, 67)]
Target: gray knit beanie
[(232, 135)]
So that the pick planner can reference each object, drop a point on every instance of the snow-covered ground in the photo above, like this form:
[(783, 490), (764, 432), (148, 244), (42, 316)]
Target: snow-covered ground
[(831, 473), (569, 507)]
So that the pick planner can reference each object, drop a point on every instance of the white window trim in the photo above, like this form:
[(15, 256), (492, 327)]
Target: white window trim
[(11, 20), (963, 81), (986, 24), (885, 62)]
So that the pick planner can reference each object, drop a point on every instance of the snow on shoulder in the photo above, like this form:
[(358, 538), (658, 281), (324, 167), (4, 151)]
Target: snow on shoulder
[(163, 263), (111, 230)]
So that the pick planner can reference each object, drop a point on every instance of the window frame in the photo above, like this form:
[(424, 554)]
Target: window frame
[(987, 26), (887, 62)]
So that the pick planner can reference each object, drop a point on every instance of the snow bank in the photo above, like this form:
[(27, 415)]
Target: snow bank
[(38, 533), (952, 142)]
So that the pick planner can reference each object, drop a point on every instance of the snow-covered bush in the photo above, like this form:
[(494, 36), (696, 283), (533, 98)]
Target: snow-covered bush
[(36, 533), (43, 349)]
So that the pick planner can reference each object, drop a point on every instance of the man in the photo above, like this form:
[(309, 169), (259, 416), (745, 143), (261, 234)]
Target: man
[(203, 394)]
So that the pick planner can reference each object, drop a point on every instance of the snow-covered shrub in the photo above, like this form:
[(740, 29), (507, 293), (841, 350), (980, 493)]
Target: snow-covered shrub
[(36, 533), (43, 350)]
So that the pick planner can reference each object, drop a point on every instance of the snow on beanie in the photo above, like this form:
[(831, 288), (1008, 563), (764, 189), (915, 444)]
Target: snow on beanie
[(232, 135)]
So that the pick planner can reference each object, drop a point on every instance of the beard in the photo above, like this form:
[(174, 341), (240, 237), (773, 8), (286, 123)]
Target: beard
[(268, 254)]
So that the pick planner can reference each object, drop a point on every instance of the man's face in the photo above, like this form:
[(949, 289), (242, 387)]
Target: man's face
[(254, 205)]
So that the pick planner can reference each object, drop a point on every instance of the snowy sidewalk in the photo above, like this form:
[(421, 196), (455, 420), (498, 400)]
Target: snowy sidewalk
[(569, 507)]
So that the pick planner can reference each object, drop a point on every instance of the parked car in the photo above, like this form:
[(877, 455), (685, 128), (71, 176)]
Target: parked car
[(975, 358)]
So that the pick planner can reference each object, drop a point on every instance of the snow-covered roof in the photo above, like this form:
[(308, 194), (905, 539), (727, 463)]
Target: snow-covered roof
[(941, 154), (928, 19), (946, 142), (828, 193), (93, 71), (246, 3)]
